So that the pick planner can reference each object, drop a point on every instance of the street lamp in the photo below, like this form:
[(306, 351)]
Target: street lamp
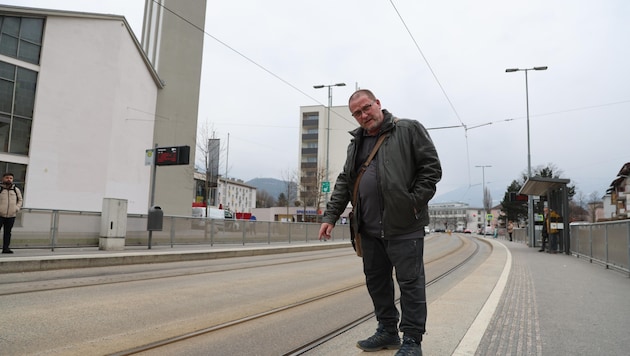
[(483, 177), (530, 200), (328, 129)]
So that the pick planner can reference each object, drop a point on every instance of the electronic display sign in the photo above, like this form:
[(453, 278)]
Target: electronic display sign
[(171, 156)]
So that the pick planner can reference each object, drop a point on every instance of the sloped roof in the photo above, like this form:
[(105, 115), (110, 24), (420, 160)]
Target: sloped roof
[(624, 171), (21, 11)]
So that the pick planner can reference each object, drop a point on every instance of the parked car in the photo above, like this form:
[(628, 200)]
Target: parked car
[(467, 231)]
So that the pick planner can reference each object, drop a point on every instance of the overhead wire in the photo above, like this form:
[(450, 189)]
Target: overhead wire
[(450, 103)]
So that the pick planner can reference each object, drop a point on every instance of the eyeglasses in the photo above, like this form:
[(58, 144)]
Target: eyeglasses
[(364, 110)]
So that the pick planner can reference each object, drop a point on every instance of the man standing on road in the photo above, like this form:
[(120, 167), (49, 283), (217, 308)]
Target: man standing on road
[(390, 213), (10, 204)]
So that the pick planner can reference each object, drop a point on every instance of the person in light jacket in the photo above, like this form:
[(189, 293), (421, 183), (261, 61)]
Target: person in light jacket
[(10, 204)]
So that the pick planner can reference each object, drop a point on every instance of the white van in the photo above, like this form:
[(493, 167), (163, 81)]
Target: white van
[(215, 214)]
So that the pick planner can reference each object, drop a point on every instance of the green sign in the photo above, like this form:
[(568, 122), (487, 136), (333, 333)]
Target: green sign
[(489, 217), (325, 187)]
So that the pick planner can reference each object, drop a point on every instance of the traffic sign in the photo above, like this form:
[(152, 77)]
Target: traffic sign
[(325, 187)]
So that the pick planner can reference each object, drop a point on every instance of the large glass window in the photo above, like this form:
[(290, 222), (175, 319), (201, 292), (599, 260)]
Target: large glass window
[(21, 37), (17, 100)]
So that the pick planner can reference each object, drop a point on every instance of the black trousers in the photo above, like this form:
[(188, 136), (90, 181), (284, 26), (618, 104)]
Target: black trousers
[(7, 223), (545, 240), (380, 257)]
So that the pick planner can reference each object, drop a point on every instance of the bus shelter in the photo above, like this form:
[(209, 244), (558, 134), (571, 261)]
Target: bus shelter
[(554, 191)]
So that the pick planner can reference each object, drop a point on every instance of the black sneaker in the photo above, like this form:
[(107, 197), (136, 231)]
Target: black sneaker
[(410, 347), (382, 339), (7, 251)]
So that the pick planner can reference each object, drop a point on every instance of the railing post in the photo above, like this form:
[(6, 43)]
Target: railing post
[(590, 244), (606, 245), (54, 227), (172, 231), (244, 231)]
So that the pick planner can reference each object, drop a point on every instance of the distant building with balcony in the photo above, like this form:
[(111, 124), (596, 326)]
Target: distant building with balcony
[(616, 199)]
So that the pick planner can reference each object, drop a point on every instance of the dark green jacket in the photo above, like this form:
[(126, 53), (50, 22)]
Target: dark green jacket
[(408, 171)]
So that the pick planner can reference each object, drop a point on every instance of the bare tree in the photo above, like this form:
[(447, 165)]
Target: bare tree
[(311, 188), (594, 201), (264, 199), (317, 193), (290, 179), (487, 200)]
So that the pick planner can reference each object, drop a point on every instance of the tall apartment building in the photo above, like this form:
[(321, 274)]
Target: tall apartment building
[(322, 150)]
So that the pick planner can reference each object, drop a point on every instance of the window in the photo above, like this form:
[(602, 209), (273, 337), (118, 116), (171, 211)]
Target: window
[(21, 37), (17, 100), (18, 170)]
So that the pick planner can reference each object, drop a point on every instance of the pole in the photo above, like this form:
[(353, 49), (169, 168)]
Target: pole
[(152, 200), (328, 141), (530, 199), (328, 134), (483, 199), (207, 186), (227, 155)]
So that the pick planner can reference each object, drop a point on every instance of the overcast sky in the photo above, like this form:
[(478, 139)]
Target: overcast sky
[(439, 62)]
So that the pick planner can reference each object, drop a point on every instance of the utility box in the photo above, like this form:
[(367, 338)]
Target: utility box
[(113, 224), (155, 220)]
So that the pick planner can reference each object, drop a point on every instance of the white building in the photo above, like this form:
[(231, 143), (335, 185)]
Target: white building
[(455, 217), (230, 194), (78, 104)]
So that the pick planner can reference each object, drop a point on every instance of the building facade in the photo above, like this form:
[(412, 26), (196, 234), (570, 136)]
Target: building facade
[(461, 217), (175, 48), (615, 202), (322, 150), (75, 127), (81, 103), (230, 194)]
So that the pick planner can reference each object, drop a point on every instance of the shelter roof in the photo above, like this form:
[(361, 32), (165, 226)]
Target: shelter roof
[(540, 185)]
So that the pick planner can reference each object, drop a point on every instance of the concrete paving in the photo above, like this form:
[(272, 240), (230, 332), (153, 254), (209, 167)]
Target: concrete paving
[(518, 302)]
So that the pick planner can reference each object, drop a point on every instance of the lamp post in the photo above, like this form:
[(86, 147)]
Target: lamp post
[(483, 200), (330, 86), (530, 200)]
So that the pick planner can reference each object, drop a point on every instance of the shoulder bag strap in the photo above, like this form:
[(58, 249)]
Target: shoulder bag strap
[(364, 168)]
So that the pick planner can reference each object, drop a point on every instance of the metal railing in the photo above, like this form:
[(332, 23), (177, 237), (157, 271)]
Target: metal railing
[(42, 228), (607, 243)]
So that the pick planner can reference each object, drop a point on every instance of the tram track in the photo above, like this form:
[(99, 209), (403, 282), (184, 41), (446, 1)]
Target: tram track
[(462, 253), (113, 277), (96, 278)]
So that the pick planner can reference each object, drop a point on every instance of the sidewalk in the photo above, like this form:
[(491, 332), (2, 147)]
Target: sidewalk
[(559, 305)]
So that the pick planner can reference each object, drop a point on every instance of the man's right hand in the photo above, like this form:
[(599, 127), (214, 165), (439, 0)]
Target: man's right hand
[(325, 231)]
